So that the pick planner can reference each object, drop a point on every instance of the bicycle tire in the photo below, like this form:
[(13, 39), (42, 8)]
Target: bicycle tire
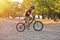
[(20, 26), (35, 26)]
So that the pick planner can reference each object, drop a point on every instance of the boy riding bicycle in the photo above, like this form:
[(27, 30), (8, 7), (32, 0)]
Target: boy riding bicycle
[(37, 25), (27, 15)]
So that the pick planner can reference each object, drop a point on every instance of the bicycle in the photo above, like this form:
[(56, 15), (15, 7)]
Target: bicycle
[(37, 25)]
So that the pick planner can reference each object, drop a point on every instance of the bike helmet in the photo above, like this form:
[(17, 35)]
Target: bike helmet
[(32, 6)]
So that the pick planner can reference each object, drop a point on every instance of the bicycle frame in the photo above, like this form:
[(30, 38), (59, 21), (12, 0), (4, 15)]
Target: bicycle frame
[(31, 21)]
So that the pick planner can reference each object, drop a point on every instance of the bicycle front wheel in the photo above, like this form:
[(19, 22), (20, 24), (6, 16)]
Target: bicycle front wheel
[(38, 26), (20, 27)]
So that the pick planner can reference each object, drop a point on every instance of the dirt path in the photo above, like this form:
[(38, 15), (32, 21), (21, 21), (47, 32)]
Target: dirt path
[(8, 31)]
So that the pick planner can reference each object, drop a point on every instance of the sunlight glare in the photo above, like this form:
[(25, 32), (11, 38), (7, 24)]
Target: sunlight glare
[(20, 1)]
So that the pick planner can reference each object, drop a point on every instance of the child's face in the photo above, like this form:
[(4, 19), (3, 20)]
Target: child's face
[(31, 9)]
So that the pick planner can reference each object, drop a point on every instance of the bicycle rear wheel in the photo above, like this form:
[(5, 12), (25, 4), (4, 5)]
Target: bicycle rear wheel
[(20, 27), (38, 26)]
